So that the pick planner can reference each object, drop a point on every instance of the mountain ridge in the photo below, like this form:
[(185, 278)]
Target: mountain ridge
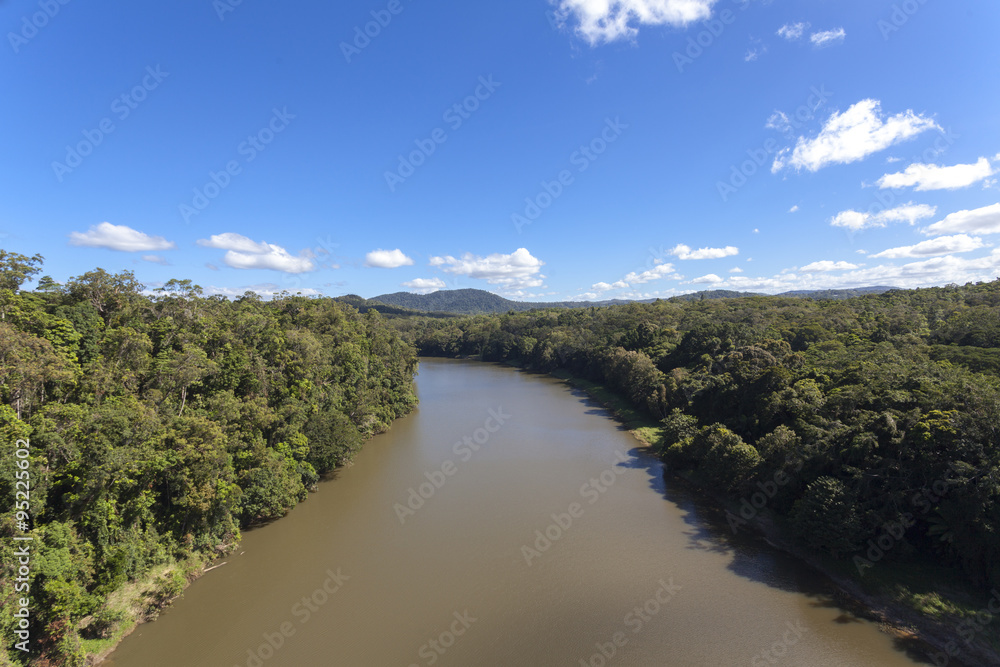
[(470, 301)]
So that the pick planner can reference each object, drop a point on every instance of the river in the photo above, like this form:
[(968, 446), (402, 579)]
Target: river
[(537, 534)]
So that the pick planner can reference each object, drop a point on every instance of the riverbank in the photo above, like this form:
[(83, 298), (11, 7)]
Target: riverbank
[(905, 600)]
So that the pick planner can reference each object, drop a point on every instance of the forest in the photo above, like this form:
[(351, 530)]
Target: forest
[(872, 421), (160, 424)]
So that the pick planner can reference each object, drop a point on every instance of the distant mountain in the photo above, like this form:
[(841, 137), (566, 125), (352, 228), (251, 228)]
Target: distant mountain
[(839, 293), (713, 294), (474, 302), (479, 302)]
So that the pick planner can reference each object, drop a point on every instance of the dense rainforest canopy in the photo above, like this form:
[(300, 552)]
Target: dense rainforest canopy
[(160, 424), (870, 420)]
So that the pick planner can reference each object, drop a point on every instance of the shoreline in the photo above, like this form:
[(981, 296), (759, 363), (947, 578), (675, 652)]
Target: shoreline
[(935, 639)]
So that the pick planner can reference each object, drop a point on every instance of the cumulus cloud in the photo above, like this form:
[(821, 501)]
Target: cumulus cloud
[(827, 265), (265, 290), (794, 209), (858, 220), (681, 251), (828, 37), (851, 136), (709, 279), (231, 241), (155, 259), (603, 21), (932, 271), (119, 237), (387, 259), (656, 273), (516, 271), (424, 285), (606, 287), (244, 253), (736, 269), (984, 220), (942, 245), (934, 177), (792, 31)]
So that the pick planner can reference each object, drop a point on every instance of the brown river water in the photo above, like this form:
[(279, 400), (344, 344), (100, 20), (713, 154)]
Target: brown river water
[(536, 534)]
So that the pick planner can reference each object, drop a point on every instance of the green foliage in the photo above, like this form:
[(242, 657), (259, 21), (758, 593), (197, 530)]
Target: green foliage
[(825, 517), (868, 408), (161, 426)]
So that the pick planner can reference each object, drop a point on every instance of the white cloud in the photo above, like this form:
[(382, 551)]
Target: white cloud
[(264, 290), (942, 245), (851, 136), (793, 209), (710, 279), (682, 251), (424, 285), (792, 31), (753, 54), (736, 269), (516, 271), (827, 37), (231, 241), (244, 253), (858, 220), (934, 177), (827, 265), (387, 259), (119, 237), (155, 259), (656, 273), (602, 21), (984, 220), (779, 121), (933, 271)]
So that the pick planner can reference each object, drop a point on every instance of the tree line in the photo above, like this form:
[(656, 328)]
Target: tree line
[(847, 419), (162, 423)]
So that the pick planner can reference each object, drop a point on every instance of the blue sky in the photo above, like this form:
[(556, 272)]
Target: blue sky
[(579, 149)]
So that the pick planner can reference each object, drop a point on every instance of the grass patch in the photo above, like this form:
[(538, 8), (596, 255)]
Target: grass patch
[(134, 603)]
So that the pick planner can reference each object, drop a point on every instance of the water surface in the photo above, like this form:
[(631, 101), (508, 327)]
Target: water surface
[(622, 570)]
